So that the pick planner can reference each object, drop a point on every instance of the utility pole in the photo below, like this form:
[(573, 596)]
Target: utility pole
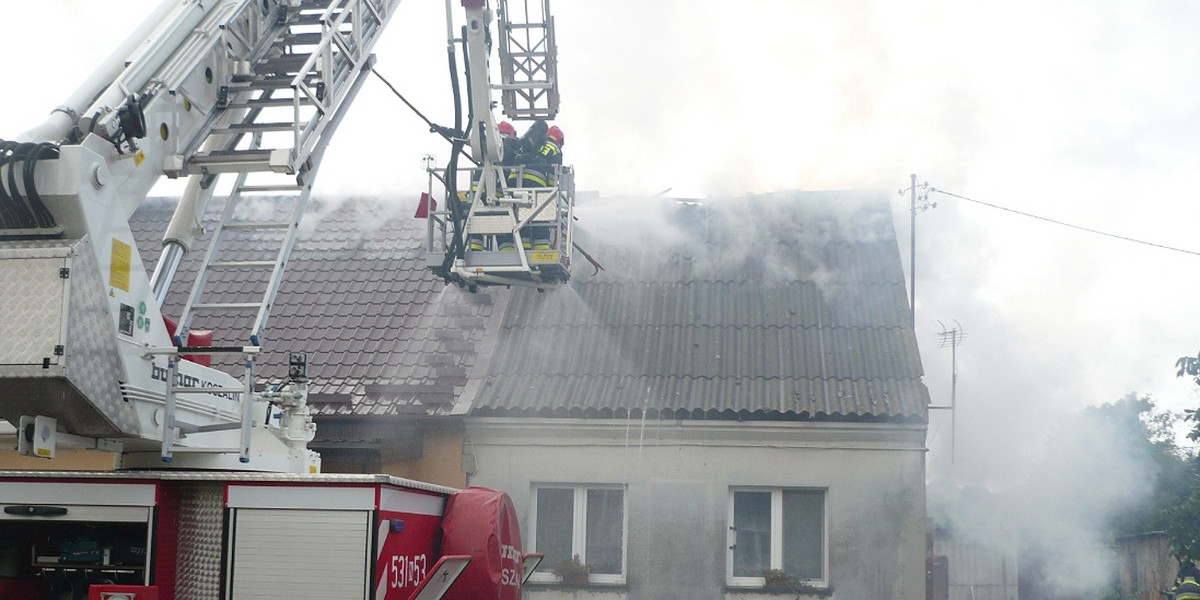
[(912, 242), (952, 338)]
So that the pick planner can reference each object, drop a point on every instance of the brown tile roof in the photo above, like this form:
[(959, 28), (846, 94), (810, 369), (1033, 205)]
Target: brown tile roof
[(382, 334)]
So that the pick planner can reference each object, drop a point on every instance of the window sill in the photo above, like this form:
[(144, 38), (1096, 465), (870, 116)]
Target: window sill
[(783, 590), (561, 585)]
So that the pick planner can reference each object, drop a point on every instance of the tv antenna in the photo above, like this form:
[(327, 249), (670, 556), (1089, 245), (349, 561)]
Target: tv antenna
[(952, 338)]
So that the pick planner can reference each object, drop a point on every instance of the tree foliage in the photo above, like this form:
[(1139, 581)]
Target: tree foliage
[(1190, 366), (1150, 435)]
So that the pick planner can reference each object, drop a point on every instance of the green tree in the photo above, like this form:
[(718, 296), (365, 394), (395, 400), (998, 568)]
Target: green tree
[(1189, 366), (1150, 433)]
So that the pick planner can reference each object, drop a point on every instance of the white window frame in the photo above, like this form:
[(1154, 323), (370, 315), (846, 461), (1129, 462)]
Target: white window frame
[(776, 536), (579, 530)]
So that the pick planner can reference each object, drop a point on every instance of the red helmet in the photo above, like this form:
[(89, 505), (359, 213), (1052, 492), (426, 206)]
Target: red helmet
[(506, 128), (555, 134)]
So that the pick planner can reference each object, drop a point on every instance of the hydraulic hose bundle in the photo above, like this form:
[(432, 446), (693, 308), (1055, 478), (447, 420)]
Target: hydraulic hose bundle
[(458, 141), (20, 205)]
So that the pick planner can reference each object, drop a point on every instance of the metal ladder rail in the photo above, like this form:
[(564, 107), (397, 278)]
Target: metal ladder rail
[(298, 189), (171, 425), (528, 62), (269, 266), (311, 59)]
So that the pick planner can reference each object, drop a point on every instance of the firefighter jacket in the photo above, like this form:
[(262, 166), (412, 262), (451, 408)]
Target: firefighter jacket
[(539, 168), (1186, 589)]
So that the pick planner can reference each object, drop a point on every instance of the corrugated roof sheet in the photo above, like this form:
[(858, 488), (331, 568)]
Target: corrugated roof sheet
[(781, 306), (383, 335)]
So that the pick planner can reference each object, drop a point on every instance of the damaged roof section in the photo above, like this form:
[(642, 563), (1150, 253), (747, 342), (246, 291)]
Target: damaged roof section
[(788, 306), (383, 336)]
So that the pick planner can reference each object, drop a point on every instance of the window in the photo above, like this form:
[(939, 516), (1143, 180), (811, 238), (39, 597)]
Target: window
[(776, 528), (584, 520)]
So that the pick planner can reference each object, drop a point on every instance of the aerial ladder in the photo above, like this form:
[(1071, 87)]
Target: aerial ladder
[(485, 200), (205, 90)]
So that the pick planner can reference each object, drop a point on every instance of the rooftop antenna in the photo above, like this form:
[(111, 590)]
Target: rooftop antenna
[(952, 338)]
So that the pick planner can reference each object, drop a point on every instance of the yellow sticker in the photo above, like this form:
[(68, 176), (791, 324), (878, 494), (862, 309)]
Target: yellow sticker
[(543, 257), (44, 452), (138, 158), (122, 258)]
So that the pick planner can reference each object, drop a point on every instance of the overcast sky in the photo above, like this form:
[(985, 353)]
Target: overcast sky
[(1077, 111)]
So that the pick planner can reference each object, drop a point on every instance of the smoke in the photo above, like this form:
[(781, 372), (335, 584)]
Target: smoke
[(1058, 501), (766, 238)]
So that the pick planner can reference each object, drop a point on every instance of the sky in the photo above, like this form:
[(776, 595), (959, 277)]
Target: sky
[(1075, 111)]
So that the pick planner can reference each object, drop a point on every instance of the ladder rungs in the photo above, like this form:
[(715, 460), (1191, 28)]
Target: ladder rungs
[(301, 39), (537, 54), (242, 264), (270, 188), (244, 127), (528, 85), (268, 83), (310, 18), (239, 161), (286, 63), (269, 102)]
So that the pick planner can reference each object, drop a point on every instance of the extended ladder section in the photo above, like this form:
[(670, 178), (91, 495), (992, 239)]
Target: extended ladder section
[(272, 129), (291, 79), (528, 60), (292, 83)]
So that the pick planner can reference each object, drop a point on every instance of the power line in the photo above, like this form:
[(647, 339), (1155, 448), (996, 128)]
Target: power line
[(1064, 224)]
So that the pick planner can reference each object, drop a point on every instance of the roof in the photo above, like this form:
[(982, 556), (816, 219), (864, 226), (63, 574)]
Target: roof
[(788, 306), (383, 335)]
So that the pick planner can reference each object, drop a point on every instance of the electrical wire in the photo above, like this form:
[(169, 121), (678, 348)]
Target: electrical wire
[(1065, 224)]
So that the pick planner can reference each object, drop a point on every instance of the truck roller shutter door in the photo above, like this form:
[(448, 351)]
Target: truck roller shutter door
[(299, 554)]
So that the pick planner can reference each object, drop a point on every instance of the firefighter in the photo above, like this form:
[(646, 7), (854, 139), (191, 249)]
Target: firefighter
[(511, 146), (510, 143), (538, 170), (1187, 583)]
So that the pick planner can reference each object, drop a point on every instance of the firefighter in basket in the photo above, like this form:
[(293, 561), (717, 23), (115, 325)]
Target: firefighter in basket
[(540, 159)]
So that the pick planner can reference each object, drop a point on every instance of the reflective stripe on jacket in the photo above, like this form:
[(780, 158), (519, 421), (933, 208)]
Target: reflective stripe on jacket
[(1187, 589)]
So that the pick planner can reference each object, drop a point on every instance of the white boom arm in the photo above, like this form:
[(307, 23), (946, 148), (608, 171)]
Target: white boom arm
[(203, 87)]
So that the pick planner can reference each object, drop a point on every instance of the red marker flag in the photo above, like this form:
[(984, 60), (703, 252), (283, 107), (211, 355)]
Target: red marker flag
[(427, 204)]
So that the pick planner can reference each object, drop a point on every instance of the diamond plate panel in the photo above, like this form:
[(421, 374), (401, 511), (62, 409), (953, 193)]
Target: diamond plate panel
[(490, 224), (31, 316), (80, 388), (201, 518), (94, 363)]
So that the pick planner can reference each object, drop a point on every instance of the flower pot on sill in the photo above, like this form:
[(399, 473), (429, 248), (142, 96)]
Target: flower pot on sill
[(575, 578)]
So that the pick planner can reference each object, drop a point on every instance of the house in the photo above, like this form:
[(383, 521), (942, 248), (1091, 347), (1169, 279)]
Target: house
[(738, 390)]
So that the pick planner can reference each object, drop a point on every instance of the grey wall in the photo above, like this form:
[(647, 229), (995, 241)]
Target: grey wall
[(678, 476)]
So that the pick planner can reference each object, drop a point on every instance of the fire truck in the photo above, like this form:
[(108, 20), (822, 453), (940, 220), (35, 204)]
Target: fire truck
[(216, 494)]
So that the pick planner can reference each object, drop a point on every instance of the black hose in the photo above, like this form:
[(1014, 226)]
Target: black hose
[(456, 241), (40, 212), (9, 219), (18, 153)]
